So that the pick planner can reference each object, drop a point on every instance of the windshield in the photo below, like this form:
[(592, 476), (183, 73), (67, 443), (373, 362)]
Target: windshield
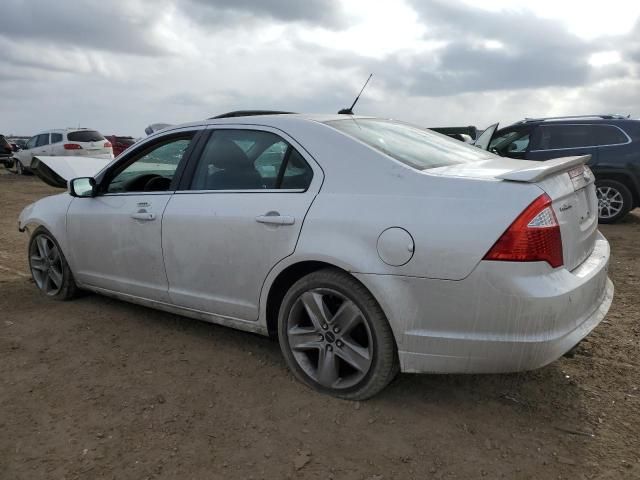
[(413, 146)]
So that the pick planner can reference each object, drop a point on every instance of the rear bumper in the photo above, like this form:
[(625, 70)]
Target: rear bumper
[(504, 317)]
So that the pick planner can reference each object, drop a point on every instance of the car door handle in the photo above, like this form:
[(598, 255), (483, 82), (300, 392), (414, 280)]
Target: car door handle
[(145, 216), (275, 219)]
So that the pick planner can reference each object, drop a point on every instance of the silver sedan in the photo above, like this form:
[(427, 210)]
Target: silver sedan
[(366, 246)]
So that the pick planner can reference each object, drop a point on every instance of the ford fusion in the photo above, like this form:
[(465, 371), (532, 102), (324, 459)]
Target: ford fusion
[(366, 246)]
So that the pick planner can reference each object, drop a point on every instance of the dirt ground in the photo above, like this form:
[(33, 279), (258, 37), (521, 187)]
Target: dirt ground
[(98, 388)]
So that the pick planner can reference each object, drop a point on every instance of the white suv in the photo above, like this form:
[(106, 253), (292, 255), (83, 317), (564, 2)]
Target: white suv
[(63, 142)]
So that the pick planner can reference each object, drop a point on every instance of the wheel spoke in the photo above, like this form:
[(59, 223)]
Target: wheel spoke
[(316, 309), (327, 368), (56, 277), (37, 263), (43, 249), (304, 338), (356, 356), (347, 317)]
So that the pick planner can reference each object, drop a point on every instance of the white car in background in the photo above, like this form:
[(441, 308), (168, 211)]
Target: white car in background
[(63, 142)]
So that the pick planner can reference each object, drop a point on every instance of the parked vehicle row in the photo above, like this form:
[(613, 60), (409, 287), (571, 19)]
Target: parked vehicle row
[(612, 141), (366, 246), (67, 142)]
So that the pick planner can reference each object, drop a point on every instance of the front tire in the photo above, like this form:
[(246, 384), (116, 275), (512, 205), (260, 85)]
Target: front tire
[(614, 200), (49, 267), (19, 168), (335, 337)]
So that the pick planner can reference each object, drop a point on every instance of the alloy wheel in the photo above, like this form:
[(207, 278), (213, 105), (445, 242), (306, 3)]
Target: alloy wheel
[(330, 338), (46, 264), (610, 202)]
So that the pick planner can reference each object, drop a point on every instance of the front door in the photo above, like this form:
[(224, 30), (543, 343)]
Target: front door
[(239, 214), (115, 236)]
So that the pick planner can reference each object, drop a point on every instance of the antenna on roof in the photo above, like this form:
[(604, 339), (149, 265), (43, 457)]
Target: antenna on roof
[(349, 111)]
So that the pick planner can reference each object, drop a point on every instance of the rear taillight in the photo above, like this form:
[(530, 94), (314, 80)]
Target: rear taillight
[(533, 237), (72, 146), (107, 145)]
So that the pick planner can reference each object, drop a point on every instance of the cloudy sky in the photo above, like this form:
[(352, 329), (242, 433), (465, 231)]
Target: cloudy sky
[(120, 65)]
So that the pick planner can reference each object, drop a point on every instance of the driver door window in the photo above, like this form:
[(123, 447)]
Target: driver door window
[(31, 143), (43, 139), (512, 144), (154, 170)]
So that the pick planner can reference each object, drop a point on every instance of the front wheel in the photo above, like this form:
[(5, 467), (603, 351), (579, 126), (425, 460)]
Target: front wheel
[(614, 200), (19, 168), (49, 268), (335, 337)]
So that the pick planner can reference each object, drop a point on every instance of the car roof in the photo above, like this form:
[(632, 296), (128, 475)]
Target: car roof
[(609, 119), (276, 121)]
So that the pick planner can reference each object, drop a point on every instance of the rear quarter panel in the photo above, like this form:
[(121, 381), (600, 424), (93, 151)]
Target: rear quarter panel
[(453, 222)]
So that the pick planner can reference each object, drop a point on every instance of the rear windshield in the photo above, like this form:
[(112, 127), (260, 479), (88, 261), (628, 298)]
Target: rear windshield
[(413, 146), (125, 140), (84, 136)]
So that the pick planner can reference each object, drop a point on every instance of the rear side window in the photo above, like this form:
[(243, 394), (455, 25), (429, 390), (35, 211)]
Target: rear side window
[(85, 136), (609, 135), (56, 137), (250, 160), (413, 146), (552, 137)]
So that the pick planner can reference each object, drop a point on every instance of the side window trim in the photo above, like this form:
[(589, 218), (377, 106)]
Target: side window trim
[(584, 146), (146, 146), (194, 158)]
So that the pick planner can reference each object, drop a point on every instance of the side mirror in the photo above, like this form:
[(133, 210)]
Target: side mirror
[(82, 187)]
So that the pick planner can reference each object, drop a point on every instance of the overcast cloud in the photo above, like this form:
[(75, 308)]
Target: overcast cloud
[(120, 65)]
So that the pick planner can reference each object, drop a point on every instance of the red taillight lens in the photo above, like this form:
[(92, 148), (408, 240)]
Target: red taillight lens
[(533, 237), (107, 145), (72, 146)]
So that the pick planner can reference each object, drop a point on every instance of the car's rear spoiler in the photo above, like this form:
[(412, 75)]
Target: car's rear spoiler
[(545, 169)]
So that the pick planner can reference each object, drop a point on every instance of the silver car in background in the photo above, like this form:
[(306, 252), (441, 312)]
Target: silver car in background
[(366, 246)]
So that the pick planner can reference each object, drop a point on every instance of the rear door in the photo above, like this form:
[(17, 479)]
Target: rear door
[(42, 145), (57, 147), (237, 214)]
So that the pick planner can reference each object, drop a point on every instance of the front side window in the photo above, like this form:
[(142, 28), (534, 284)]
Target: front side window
[(43, 139), (513, 142), (31, 142), (250, 160), (413, 146), (153, 169)]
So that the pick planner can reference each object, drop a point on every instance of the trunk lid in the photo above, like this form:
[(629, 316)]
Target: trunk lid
[(568, 182)]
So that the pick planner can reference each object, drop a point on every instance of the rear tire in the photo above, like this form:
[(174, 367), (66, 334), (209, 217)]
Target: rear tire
[(335, 337), (614, 200), (49, 267)]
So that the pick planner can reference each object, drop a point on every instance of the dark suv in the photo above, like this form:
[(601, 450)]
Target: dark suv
[(613, 141)]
